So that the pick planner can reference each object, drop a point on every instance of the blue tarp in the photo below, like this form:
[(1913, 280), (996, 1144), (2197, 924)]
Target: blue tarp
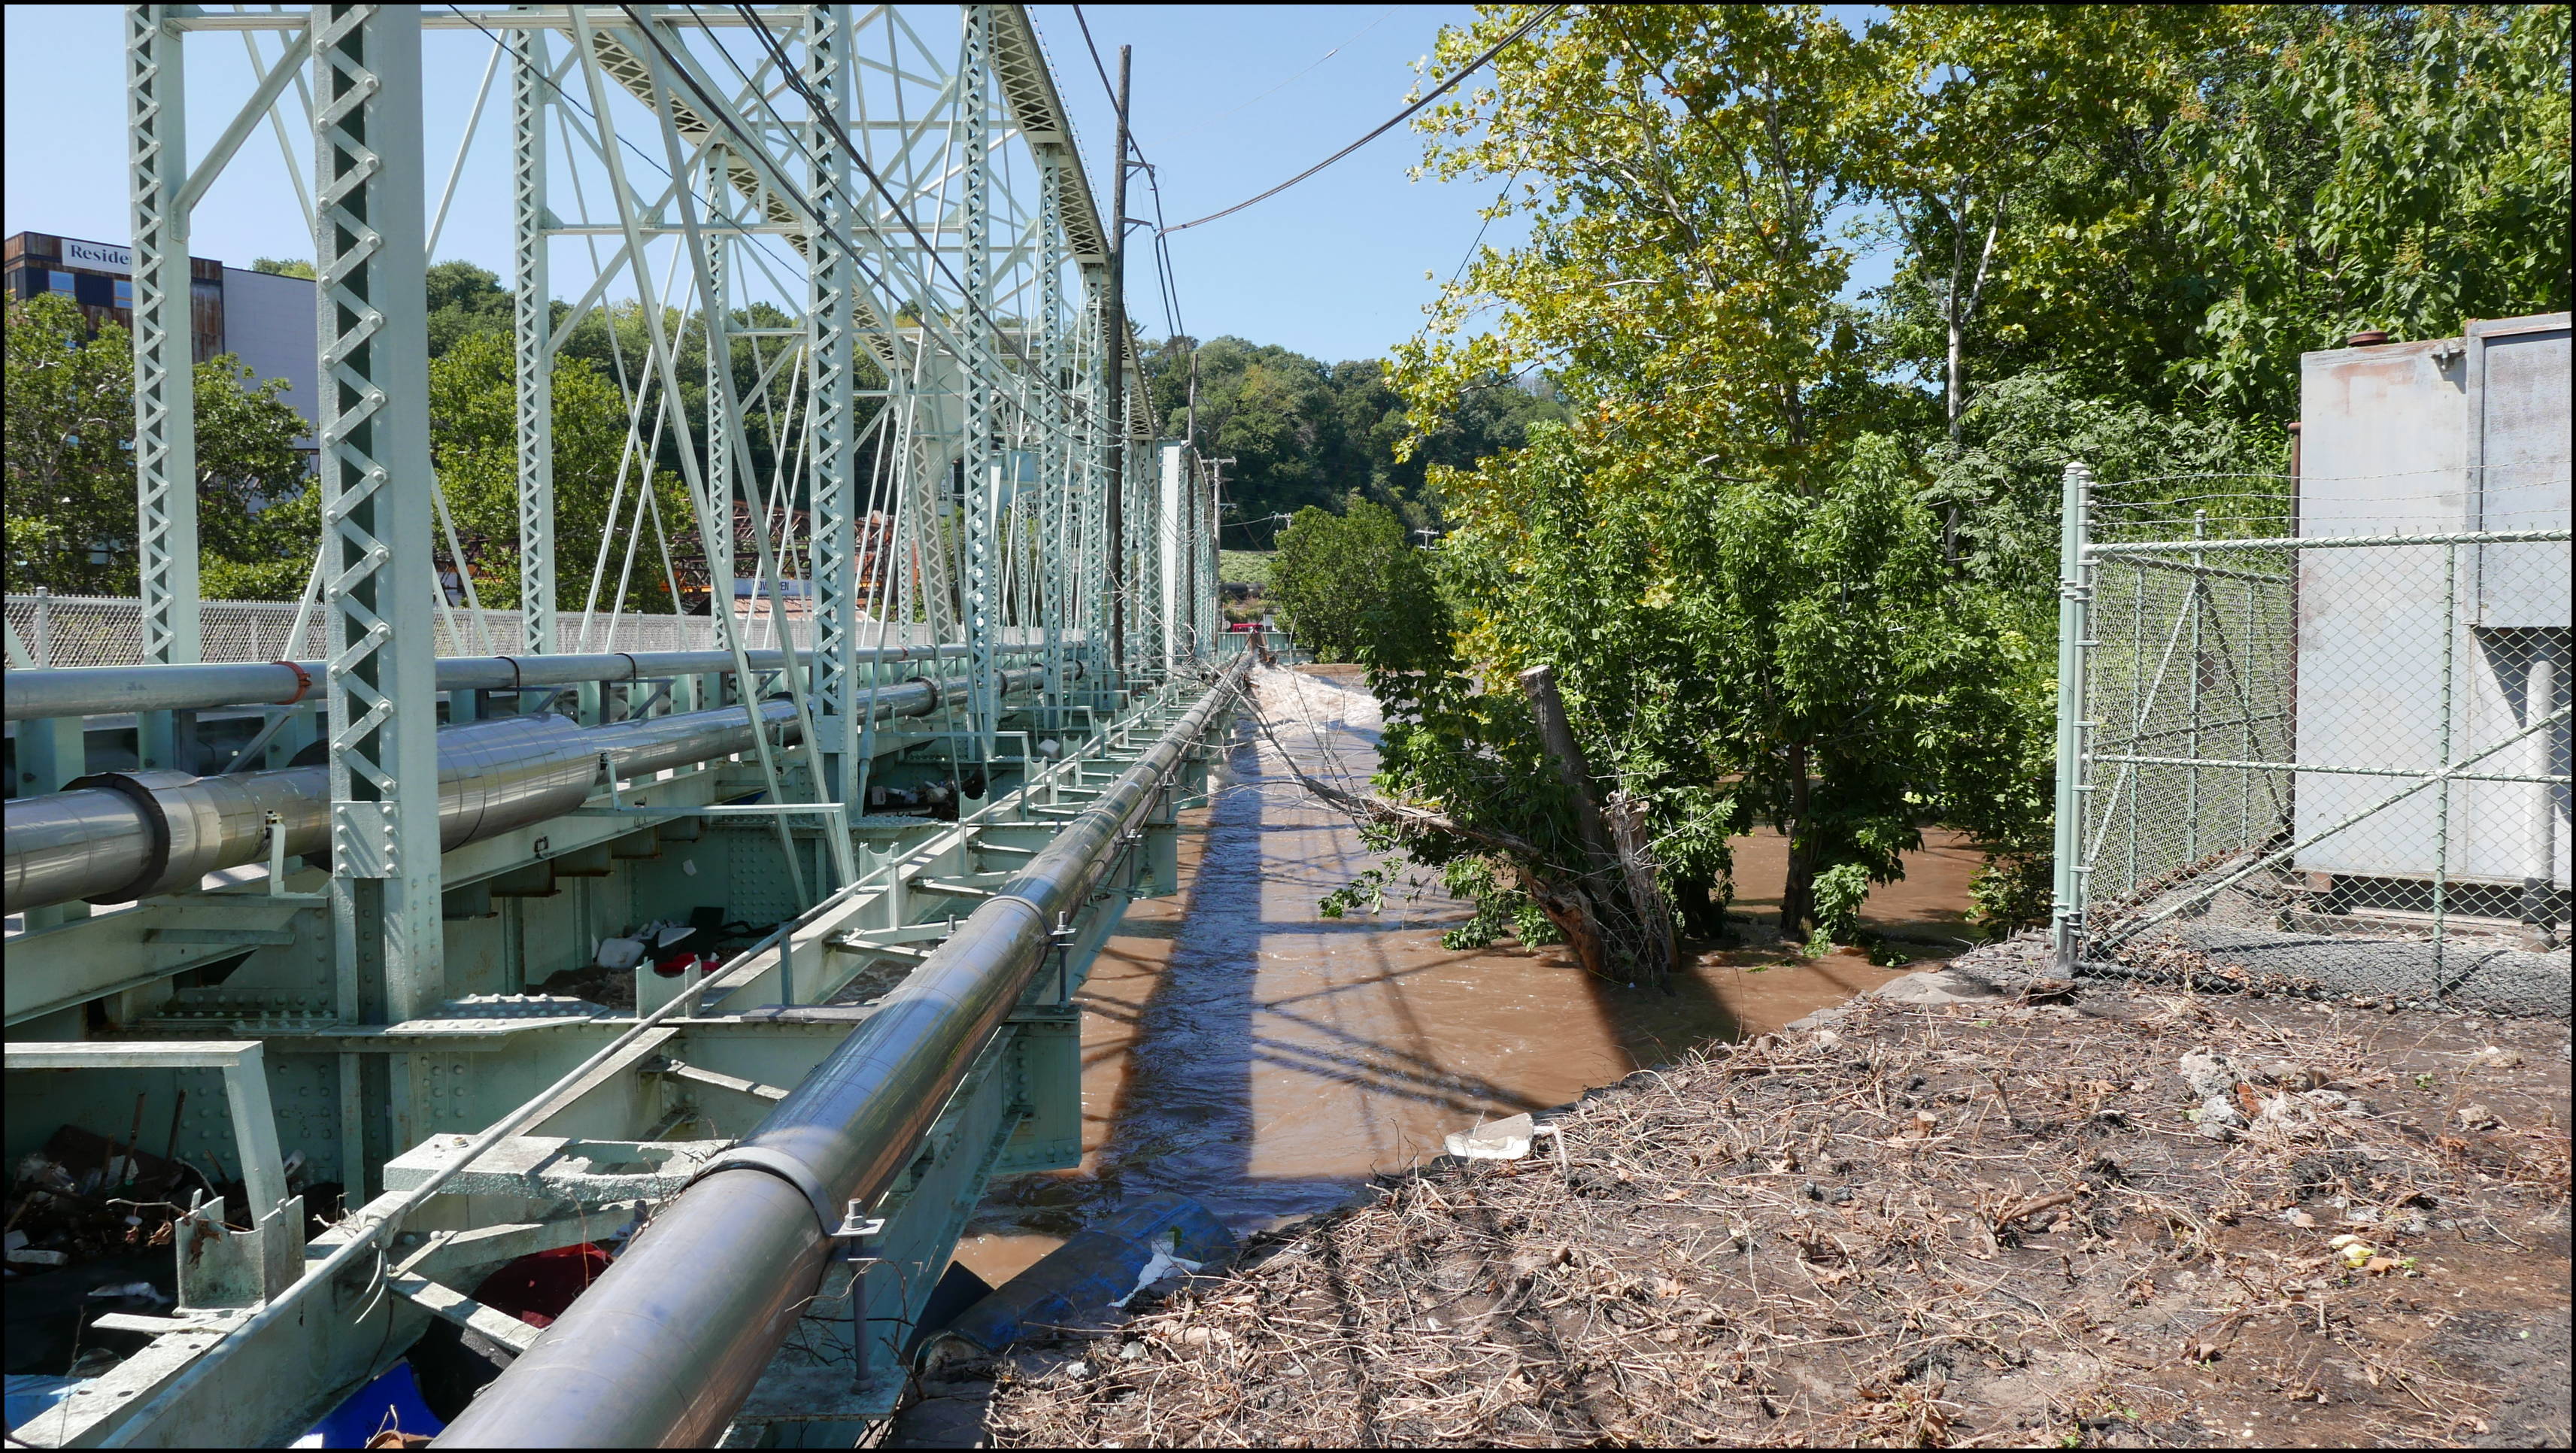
[(392, 1401)]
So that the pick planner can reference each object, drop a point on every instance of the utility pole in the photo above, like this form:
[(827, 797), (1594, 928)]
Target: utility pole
[(1115, 364)]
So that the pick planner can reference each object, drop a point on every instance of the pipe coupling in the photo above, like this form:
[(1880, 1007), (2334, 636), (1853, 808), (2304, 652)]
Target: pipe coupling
[(198, 824), (784, 1166)]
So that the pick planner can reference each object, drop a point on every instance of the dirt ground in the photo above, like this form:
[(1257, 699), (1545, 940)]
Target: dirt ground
[(2108, 1217)]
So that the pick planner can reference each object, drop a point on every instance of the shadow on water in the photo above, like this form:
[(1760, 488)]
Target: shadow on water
[(1242, 1049)]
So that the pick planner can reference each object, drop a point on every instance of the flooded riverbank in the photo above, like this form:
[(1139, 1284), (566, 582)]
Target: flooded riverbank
[(1243, 1049)]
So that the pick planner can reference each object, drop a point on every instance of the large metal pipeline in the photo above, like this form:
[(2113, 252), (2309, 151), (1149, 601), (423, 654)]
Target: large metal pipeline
[(102, 690), (117, 836), (662, 1350)]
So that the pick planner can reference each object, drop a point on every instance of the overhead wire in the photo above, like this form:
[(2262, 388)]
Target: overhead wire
[(1399, 118), (1164, 278), (820, 108)]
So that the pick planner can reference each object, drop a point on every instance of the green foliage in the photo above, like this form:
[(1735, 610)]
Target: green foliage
[(2005, 472), (257, 515), (1497, 907), (465, 301), (1351, 587), (2012, 153), (1839, 892), (282, 266), (71, 503), (474, 446), (1794, 560), (71, 517), (2399, 167), (2014, 889), (1365, 893), (1305, 433), (1245, 567)]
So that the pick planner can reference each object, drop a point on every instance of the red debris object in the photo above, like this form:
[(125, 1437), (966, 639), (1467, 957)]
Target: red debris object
[(676, 965), (537, 1287)]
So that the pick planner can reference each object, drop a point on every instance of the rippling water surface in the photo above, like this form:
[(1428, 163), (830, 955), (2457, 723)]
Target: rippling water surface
[(1243, 1049)]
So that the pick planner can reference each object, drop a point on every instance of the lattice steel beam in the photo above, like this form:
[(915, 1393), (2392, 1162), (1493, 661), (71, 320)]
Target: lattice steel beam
[(375, 467), (533, 350), (981, 467), (165, 424)]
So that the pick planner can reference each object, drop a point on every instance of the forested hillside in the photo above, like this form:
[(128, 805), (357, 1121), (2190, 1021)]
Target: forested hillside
[(1306, 433)]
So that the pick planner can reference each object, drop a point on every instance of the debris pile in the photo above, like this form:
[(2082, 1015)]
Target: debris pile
[(2135, 1217)]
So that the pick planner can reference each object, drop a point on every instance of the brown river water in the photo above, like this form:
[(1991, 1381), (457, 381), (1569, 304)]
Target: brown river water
[(1243, 1049)]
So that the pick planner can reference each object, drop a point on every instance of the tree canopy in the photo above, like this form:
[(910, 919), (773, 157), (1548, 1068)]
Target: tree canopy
[(1306, 434), (71, 502), (1791, 552)]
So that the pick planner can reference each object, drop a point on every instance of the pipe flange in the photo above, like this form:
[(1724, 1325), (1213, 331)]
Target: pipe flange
[(936, 695), (136, 787), (787, 1168), (303, 681)]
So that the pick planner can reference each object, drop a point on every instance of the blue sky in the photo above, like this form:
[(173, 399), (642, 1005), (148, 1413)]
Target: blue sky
[(1229, 100)]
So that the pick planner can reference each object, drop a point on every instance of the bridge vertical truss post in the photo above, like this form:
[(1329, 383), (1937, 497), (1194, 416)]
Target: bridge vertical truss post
[(723, 425), (1092, 547), (1056, 447), (831, 331), (981, 464), (532, 339), (165, 409), (375, 468)]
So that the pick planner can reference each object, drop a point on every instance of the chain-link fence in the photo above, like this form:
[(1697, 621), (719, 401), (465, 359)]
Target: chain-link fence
[(107, 630), (2326, 754)]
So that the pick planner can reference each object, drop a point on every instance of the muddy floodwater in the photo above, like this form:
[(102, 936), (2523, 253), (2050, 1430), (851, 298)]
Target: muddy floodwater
[(1243, 1049)]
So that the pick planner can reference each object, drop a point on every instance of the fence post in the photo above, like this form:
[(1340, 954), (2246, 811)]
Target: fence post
[(44, 626), (2074, 622)]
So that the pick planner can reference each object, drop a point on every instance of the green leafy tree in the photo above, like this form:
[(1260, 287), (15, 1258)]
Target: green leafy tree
[(2397, 167), (257, 517), (1304, 433), (1738, 588), (472, 404), (464, 301), (1735, 653), (71, 514), (1352, 587), (71, 500), (1986, 130)]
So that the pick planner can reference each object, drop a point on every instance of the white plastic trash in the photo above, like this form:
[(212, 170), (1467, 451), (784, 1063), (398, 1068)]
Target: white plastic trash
[(1505, 1139)]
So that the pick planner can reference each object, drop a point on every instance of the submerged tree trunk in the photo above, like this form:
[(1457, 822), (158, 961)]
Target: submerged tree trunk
[(1571, 911)]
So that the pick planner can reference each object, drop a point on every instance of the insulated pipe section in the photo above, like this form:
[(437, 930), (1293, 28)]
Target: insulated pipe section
[(118, 836), (662, 1350), (104, 690)]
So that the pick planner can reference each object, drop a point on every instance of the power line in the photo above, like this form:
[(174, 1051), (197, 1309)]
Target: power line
[(1096, 63), (817, 106), (1165, 279), (1436, 92)]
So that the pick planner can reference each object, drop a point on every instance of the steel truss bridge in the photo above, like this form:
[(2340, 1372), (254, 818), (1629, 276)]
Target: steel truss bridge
[(930, 769)]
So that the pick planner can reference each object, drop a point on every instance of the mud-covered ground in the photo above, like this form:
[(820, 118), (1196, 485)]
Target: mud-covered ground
[(2129, 1217)]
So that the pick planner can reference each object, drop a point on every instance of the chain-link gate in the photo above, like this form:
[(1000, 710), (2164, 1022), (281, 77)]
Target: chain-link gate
[(2314, 762)]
